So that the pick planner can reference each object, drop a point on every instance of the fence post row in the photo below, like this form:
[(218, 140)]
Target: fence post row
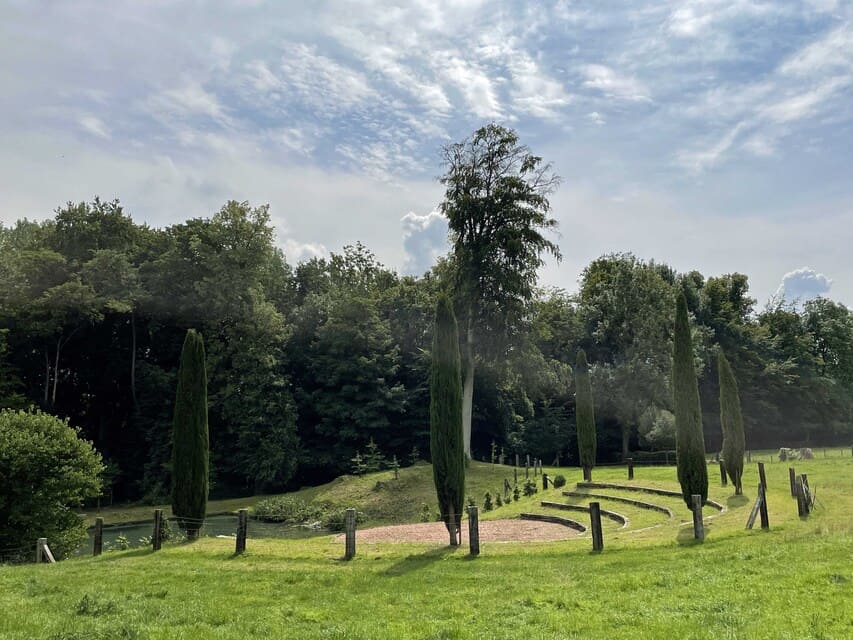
[(242, 530), (595, 526), (474, 530), (349, 525), (98, 545), (698, 524)]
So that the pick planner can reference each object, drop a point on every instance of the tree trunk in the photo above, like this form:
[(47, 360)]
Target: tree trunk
[(133, 359), (46, 377), (56, 371), (468, 388), (451, 528)]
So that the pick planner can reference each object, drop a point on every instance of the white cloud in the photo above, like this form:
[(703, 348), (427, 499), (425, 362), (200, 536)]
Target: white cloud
[(424, 240), (475, 85), (95, 126), (295, 251), (534, 91), (803, 284), (596, 118), (188, 101), (613, 84)]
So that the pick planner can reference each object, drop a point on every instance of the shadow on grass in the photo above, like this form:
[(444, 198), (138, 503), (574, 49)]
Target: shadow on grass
[(685, 534), (421, 560), (735, 502), (136, 553)]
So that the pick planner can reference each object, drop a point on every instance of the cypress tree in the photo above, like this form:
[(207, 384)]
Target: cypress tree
[(445, 416), (731, 420), (190, 438), (585, 413), (689, 440)]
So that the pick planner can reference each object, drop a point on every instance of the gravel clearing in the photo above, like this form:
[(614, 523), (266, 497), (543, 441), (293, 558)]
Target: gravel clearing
[(490, 531)]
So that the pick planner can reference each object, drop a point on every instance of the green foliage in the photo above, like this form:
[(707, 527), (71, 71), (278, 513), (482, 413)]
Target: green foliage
[(46, 471), (358, 467), (498, 500), (374, 460), (690, 443), (559, 481), (530, 488), (488, 505), (585, 413), (732, 423), (426, 513), (294, 511), (516, 494), (446, 445), (190, 443)]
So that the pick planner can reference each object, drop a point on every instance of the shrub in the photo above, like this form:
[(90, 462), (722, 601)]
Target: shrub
[(426, 515), (46, 471), (288, 510), (530, 488), (731, 421), (559, 481), (487, 503), (515, 493), (334, 518), (498, 500)]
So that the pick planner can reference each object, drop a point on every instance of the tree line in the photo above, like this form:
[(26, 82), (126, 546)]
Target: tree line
[(312, 364)]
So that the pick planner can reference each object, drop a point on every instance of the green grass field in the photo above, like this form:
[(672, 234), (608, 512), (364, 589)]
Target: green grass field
[(652, 581)]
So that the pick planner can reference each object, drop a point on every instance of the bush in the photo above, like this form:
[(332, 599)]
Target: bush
[(530, 488), (47, 470), (288, 510), (515, 493), (498, 501), (334, 519), (487, 503), (426, 515), (559, 481)]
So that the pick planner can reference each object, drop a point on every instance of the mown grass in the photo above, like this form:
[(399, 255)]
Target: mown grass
[(794, 581)]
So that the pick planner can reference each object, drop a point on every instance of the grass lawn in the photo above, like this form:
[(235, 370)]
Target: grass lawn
[(652, 581)]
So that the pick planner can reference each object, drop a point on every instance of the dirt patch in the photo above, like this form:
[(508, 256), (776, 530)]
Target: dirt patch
[(490, 531)]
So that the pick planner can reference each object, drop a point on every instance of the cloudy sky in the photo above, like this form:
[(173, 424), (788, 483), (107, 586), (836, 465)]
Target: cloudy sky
[(710, 134)]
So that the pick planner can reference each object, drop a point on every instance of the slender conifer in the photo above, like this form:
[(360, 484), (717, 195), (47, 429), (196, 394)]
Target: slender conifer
[(585, 413), (190, 438), (731, 421), (689, 439), (445, 412)]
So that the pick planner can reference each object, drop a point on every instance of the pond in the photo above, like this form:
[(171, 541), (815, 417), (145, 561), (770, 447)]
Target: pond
[(222, 525)]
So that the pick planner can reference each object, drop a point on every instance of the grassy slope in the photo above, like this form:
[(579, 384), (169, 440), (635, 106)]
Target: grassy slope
[(795, 581)]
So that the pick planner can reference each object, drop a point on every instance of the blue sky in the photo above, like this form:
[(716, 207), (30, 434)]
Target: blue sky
[(709, 134)]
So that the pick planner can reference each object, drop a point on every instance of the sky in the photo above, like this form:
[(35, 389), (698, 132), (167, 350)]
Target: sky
[(708, 134)]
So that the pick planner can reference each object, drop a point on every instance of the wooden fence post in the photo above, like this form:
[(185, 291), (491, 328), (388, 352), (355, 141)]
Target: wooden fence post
[(722, 474), (474, 531), (544, 480), (40, 545), (801, 498), (516, 461), (595, 526), (527, 467), (98, 546), (698, 525), (762, 510), (515, 471), (242, 530), (748, 455), (807, 493), (761, 476), (157, 536), (630, 468), (792, 478), (349, 522)]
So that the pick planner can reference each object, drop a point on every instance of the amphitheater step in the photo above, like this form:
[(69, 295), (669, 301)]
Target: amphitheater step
[(566, 522), (635, 503), (660, 492), (618, 517)]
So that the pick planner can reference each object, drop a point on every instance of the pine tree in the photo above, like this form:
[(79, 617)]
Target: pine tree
[(445, 412), (731, 420), (689, 440), (585, 416), (190, 465)]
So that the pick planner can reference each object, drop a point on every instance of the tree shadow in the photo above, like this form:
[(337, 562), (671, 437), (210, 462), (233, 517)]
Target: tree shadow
[(735, 502), (421, 560), (108, 556), (685, 538)]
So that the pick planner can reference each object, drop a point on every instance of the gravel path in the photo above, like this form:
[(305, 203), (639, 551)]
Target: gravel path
[(490, 531)]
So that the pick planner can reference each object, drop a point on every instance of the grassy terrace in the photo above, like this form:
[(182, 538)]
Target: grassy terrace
[(795, 581)]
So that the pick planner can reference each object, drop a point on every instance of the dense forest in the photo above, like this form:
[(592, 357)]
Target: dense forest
[(308, 363)]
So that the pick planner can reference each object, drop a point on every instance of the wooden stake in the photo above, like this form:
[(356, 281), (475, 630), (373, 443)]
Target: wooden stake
[(349, 523), (801, 498), (474, 531), (630, 468), (792, 478), (242, 530), (156, 536), (595, 527), (765, 520), (98, 546), (544, 480), (761, 476)]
